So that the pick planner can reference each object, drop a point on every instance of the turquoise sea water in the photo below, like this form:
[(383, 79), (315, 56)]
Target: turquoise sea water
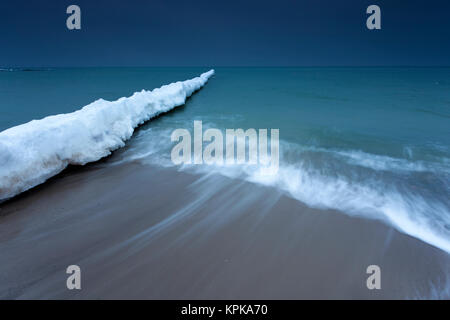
[(380, 110), (373, 142)]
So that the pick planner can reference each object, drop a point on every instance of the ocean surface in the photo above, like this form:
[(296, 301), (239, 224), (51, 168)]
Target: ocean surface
[(370, 142)]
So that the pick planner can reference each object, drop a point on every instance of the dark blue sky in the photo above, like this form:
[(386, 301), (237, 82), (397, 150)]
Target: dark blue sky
[(224, 33)]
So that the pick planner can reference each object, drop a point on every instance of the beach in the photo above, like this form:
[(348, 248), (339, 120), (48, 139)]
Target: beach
[(211, 157), (361, 179), (144, 232)]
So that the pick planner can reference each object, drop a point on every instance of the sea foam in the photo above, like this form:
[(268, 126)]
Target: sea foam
[(356, 183), (33, 152)]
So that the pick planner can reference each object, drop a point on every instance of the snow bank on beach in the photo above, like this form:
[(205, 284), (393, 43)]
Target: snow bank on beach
[(33, 152)]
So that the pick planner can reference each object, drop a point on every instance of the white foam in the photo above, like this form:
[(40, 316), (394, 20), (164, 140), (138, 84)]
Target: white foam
[(407, 212), (33, 152), (350, 181)]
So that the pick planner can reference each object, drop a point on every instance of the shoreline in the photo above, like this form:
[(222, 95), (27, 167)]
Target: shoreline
[(140, 231)]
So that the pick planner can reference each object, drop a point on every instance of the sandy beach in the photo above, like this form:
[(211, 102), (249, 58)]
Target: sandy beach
[(233, 151), (140, 231)]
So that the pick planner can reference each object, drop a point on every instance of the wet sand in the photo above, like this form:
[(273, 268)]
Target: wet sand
[(145, 232)]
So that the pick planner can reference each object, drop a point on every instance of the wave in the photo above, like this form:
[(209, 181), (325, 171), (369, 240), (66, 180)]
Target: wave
[(408, 195), (33, 152), (409, 212), (357, 193)]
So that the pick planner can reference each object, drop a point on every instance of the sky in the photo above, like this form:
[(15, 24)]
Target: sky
[(33, 33)]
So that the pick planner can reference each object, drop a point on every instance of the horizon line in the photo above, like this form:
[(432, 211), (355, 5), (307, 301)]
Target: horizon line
[(231, 66)]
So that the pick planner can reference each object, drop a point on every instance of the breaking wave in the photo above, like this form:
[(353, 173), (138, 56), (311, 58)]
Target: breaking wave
[(411, 196)]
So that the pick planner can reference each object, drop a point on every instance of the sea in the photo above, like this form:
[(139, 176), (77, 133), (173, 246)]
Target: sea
[(372, 142)]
